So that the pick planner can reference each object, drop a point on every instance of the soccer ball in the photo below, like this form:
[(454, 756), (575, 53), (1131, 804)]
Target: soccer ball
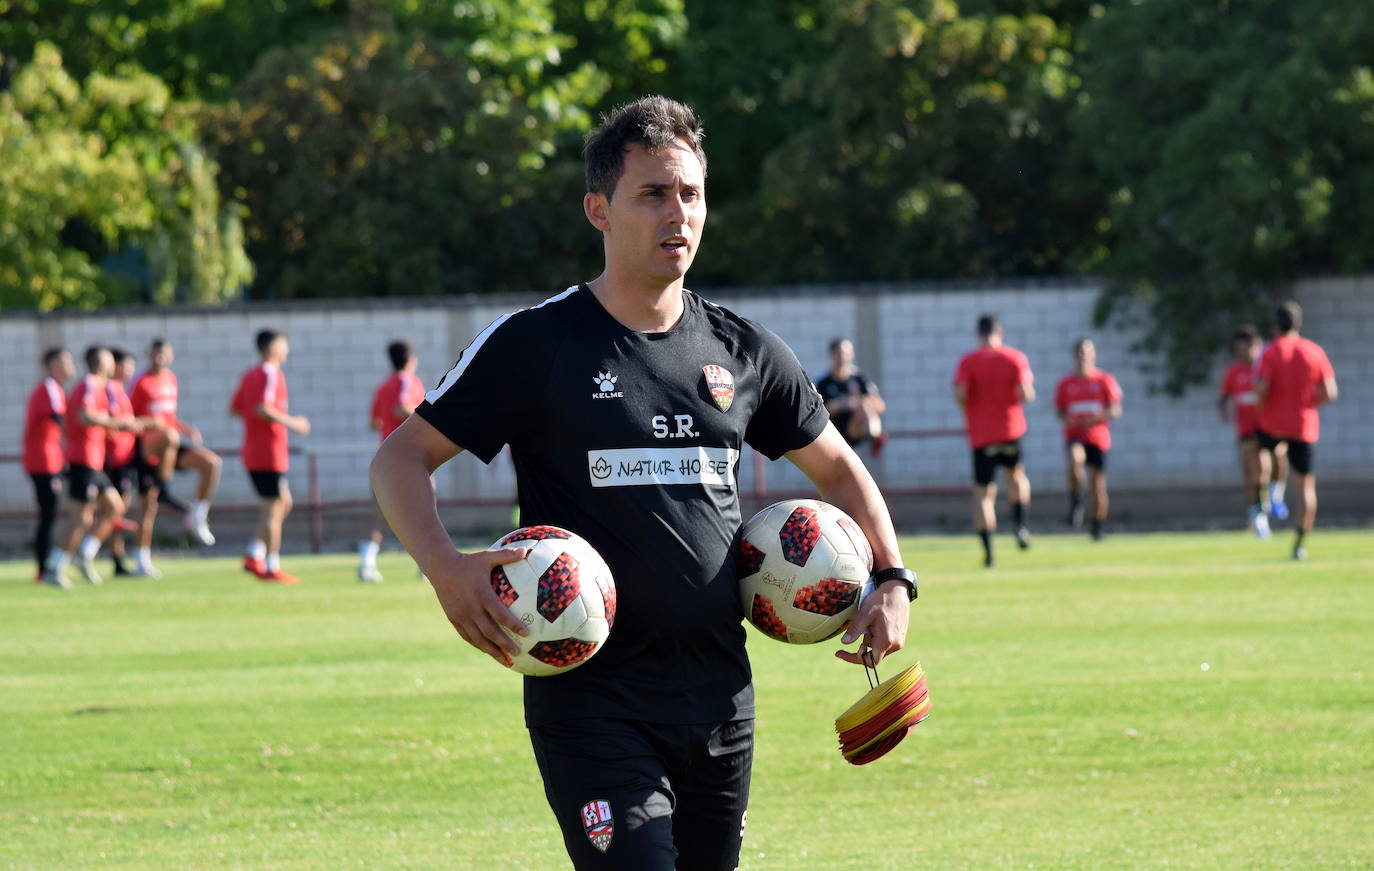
[(563, 592), (803, 569)]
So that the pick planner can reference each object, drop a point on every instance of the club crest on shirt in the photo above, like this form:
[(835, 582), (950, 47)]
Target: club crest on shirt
[(721, 384), (597, 823)]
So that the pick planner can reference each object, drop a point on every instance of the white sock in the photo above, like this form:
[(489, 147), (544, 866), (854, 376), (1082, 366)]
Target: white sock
[(1276, 489), (144, 557), (257, 549), (273, 562), (200, 509), (367, 552), (58, 559), (90, 546)]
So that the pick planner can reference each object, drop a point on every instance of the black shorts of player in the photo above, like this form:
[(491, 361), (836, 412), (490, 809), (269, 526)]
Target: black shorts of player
[(124, 478), (647, 796), (987, 458), (267, 484), (1299, 451), (85, 483), (1093, 456)]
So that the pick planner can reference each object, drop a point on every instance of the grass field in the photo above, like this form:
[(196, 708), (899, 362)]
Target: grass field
[(1154, 701)]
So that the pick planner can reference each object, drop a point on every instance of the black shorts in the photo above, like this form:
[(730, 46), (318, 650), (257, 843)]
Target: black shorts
[(85, 483), (647, 796), (268, 484), (987, 458), (1299, 451), (1093, 456), (125, 478)]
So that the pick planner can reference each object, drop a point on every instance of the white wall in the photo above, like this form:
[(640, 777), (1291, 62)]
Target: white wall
[(908, 337)]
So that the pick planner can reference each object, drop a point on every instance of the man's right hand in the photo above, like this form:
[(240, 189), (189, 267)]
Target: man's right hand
[(463, 585)]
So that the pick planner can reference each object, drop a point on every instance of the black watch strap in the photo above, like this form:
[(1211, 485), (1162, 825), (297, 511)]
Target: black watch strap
[(906, 576)]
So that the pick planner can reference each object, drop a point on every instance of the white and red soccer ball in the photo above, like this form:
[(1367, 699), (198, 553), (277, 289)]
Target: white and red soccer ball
[(563, 591), (803, 568)]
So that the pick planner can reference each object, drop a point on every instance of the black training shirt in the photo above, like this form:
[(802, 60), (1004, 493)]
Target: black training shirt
[(632, 440)]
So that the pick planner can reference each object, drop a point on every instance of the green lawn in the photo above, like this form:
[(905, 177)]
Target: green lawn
[(1154, 701)]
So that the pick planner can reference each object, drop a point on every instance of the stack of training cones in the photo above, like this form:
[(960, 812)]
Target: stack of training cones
[(883, 717)]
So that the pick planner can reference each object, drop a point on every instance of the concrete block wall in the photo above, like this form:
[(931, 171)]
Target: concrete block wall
[(908, 338)]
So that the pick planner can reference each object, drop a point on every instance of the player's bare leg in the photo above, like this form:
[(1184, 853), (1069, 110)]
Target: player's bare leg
[(1278, 481), (79, 518), (1098, 481), (273, 516), (368, 548), (206, 464), (1019, 489), (147, 516), (985, 517), (1306, 513), (1075, 460), (97, 521), (1254, 470)]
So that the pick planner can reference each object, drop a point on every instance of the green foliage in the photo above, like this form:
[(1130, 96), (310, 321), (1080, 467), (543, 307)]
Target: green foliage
[(197, 47), (906, 140), (1238, 139), (375, 163), (95, 169)]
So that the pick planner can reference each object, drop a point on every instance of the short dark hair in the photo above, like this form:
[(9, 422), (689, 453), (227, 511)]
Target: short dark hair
[(988, 324), (52, 354), (93, 356), (1288, 316), (266, 338), (835, 343), (654, 122), (400, 353), (157, 344), (120, 355), (1245, 333)]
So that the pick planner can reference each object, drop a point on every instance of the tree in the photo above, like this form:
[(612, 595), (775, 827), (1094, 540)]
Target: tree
[(374, 162), (100, 171), (1238, 139), (906, 140)]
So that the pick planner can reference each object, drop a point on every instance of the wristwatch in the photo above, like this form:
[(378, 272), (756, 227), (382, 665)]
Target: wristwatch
[(905, 576)]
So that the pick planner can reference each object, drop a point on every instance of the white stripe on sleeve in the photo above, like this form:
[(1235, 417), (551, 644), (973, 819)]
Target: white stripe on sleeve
[(465, 358)]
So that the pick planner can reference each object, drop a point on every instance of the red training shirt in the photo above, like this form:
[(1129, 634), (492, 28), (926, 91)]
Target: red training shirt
[(121, 444), (1082, 396), (1292, 367), (1239, 384), (264, 441), (992, 408), (401, 389), (155, 396), (43, 429), (86, 444)]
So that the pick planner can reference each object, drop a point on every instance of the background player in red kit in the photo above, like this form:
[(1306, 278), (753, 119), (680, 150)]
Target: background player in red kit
[(1238, 402), (175, 445), (1295, 377), (121, 450), (393, 402), (261, 401), (88, 418), (1086, 400), (990, 384), (43, 456)]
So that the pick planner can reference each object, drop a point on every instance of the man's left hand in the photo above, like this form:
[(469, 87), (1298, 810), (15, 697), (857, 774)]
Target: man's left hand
[(882, 621)]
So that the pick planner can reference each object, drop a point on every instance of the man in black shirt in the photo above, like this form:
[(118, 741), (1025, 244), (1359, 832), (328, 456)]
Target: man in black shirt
[(626, 402), (852, 398)]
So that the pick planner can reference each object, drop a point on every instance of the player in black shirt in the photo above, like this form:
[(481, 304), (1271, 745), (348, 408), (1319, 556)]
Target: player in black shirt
[(851, 397), (626, 402)]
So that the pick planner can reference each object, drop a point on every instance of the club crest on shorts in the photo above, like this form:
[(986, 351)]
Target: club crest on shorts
[(721, 384), (597, 823)]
